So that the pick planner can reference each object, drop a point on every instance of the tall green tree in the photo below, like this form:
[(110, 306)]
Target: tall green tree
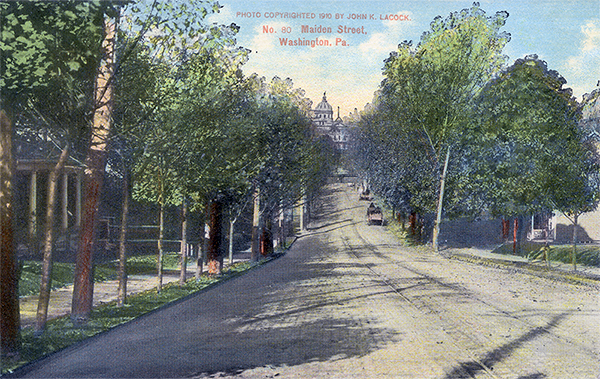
[(95, 161), (284, 153), (434, 84), (184, 121), (40, 42), (176, 26), (531, 147)]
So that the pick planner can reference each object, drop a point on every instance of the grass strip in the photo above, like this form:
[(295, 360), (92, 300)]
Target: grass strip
[(63, 273), (587, 255)]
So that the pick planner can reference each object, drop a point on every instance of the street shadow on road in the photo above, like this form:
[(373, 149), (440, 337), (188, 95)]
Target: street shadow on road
[(315, 336), (323, 320), (329, 224), (316, 306), (488, 361), (345, 223), (331, 212), (315, 341)]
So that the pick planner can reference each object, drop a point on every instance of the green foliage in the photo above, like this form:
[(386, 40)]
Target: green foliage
[(178, 114), (44, 40), (145, 264), (424, 107), (201, 130), (432, 86), (531, 153), (29, 283), (195, 126), (283, 151), (62, 275)]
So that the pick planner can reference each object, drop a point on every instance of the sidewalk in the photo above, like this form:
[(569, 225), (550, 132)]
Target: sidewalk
[(554, 268)]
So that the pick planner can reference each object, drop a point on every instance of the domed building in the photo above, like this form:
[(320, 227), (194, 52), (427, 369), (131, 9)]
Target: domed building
[(323, 113), (325, 125)]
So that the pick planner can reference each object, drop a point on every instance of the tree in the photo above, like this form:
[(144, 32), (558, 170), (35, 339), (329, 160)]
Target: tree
[(63, 118), (177, 27), (532, 152), (83, 287), (122, 268), (433, 85), (284, 153), (45, 286), (40, 41), (9, 301), (395, 162), (576, 188), (182, 121)]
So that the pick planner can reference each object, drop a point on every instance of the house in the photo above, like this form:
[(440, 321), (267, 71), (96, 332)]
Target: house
[(556, 226)]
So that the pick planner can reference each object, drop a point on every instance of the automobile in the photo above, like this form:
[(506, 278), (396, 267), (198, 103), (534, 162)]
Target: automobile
[(374, 215)]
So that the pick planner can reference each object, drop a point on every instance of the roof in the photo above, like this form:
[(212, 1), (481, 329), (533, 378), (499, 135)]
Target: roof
[(324, 105)]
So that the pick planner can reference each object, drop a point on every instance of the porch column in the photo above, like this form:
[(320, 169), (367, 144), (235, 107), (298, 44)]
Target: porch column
[(33, 207), (65, 202), (78, 180)]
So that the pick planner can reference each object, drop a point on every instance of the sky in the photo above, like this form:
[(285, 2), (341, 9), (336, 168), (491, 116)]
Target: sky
[(565, 34)]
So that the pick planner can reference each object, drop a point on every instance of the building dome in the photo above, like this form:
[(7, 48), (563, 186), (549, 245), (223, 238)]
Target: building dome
[(324, 106)]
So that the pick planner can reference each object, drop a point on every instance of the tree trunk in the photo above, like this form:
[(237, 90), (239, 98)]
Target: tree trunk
[(412, 221), (10, 342), (122, 269), (266, 240), (574, 252), (303, 214), (255, 227), (214, 256), (201, 253), (33, 219), (231, 228), (515, 235), (159, 259), (505, 229), (281, 219), (438, 219), (184, 243), (308, 215), (83, 287), (46, 276)]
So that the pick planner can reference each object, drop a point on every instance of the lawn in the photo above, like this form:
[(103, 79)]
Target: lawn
[(63, 273), (588, 255)]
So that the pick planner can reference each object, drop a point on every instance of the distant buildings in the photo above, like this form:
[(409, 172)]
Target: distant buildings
[(325, 125)]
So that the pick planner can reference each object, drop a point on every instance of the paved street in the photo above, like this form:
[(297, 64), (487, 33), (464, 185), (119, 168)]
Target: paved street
[(347, 301)]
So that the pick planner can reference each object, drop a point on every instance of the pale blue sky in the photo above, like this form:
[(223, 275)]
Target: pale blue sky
[(566, 34)]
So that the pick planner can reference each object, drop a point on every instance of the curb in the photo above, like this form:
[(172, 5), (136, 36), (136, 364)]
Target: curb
[(573, 277)]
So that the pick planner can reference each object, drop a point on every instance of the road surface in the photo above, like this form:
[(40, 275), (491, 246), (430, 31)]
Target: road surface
[(347, 301)]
